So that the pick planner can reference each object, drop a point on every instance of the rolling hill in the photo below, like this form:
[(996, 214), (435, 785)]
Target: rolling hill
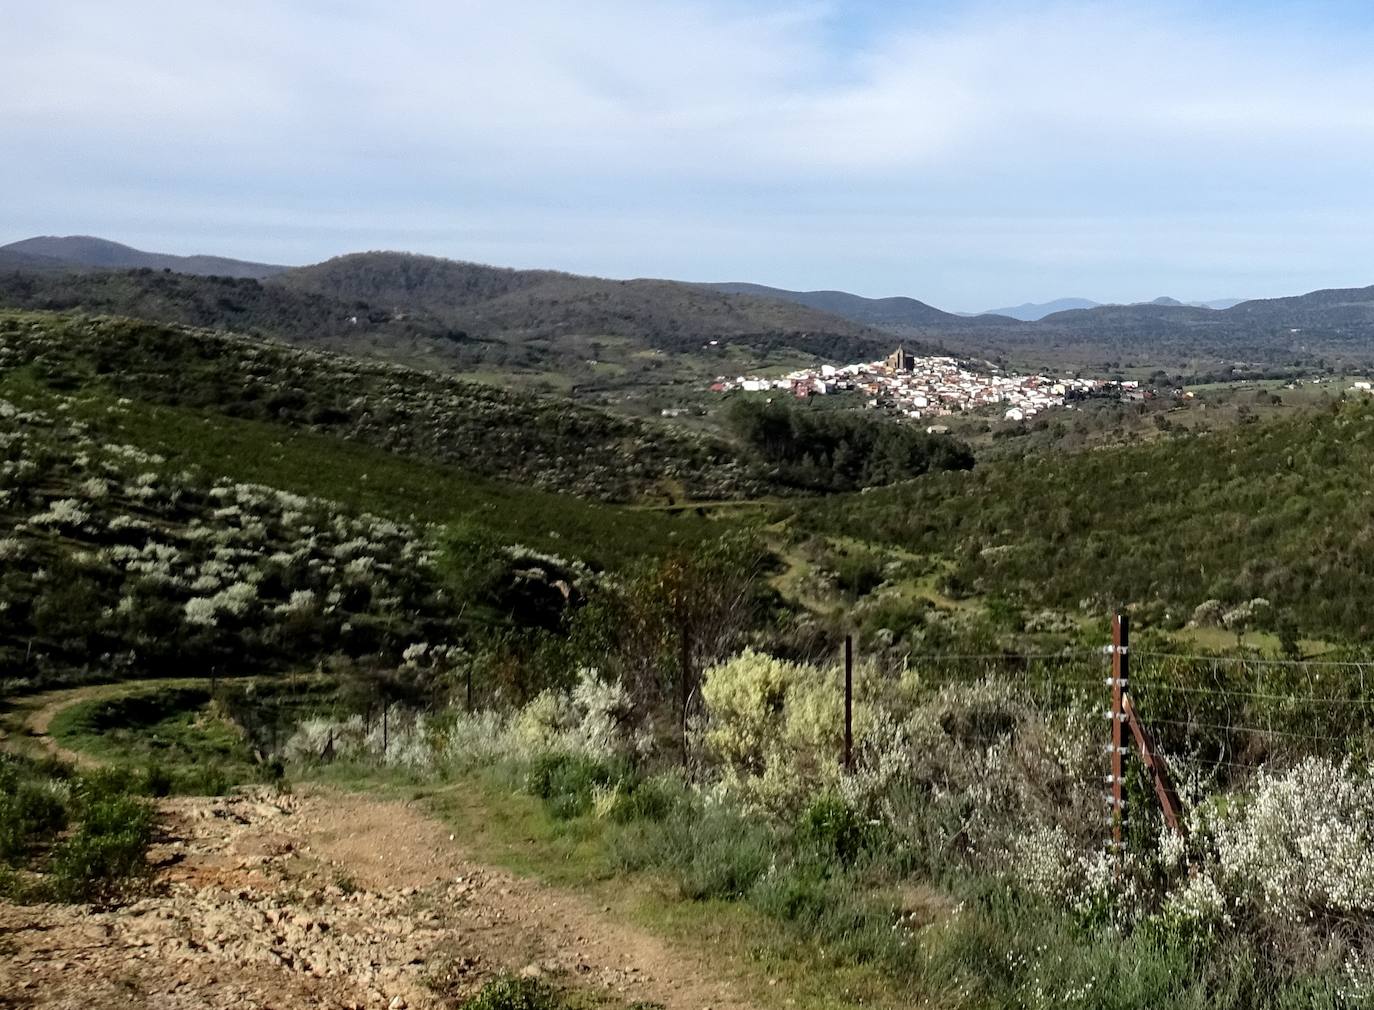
[(612, 339), (544, 304), (546, 443), (243, 305), (536, 328), (885, 312), (90, 253), (1275, 510)]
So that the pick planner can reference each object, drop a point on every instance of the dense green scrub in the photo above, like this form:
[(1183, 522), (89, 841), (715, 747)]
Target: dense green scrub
[(550, 444), (1278, 511), (365, 479), (70, 837), (842, 451), (149, 539)]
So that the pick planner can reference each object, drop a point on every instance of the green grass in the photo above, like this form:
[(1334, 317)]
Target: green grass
[(367, 479), (174, 735)]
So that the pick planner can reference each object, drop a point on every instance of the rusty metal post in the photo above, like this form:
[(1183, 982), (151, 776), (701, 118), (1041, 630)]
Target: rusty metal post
[(1158, 772), (848, 702), (686, 690), (1121, 638)]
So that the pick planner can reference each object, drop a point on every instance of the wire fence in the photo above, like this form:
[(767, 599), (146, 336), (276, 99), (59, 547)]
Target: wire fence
[(1192, 720)]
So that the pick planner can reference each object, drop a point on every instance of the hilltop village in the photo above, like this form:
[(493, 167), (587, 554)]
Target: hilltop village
[(918, 387)]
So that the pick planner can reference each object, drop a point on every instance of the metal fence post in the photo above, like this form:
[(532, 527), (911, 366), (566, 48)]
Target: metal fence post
[(1121, 638), (848, 702), (686, 660)]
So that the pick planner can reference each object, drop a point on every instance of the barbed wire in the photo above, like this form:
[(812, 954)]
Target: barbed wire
[(1150, 687), (1255, 660), (1242, 728), (1006, 656)]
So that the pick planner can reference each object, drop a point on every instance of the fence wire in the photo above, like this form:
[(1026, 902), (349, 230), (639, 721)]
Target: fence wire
[(1218, 719)]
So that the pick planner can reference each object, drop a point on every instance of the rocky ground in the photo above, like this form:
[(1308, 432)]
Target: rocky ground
[(331, 899)]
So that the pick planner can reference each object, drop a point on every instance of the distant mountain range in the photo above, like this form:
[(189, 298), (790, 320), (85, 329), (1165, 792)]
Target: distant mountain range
[(445, 313), (469, 315), (88, 252), (908, 312), (1029, 312)]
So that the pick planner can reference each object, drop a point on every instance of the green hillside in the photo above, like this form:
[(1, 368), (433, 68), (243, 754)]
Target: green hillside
[(243, 305), (1279, 511), (666, 315), (141, 536), (549, 444), (585, 335)]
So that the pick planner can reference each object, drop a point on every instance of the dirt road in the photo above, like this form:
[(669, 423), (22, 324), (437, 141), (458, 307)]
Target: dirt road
[(326, 898)]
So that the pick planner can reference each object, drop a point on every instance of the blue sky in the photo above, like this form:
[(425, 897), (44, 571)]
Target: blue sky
[(968, 154)]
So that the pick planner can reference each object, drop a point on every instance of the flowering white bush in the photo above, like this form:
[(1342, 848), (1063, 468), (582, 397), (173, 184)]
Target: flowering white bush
[(232, 559), (589, 719), (1199, 901), (65, 513), (1303, 841)]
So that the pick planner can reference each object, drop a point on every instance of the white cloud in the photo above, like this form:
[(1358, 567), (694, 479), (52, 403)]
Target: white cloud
[(695, 81), (671, 115)]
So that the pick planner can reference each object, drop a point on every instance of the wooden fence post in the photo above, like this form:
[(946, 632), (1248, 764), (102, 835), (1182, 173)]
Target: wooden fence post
[(848, 703)]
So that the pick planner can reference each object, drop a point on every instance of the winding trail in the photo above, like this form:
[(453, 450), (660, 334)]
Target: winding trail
[(29, 717)]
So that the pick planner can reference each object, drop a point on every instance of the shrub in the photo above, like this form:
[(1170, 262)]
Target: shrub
[(832, 831), (108, 847), (722, 854), (510, 993), (591, 718), (157, 780), (31, 812), (1303, 842), (777, 727), (568, 782), (651, 799)]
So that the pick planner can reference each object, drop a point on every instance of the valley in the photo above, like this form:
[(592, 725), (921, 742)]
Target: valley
[(370, 673)]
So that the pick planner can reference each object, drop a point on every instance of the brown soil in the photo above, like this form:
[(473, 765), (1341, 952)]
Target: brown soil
[(332, 899)]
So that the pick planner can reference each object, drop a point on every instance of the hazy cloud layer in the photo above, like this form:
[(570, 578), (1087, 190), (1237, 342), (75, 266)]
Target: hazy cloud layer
[(966, 154)]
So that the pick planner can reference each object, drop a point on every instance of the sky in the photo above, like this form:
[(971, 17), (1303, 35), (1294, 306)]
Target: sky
[(972, 155)]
